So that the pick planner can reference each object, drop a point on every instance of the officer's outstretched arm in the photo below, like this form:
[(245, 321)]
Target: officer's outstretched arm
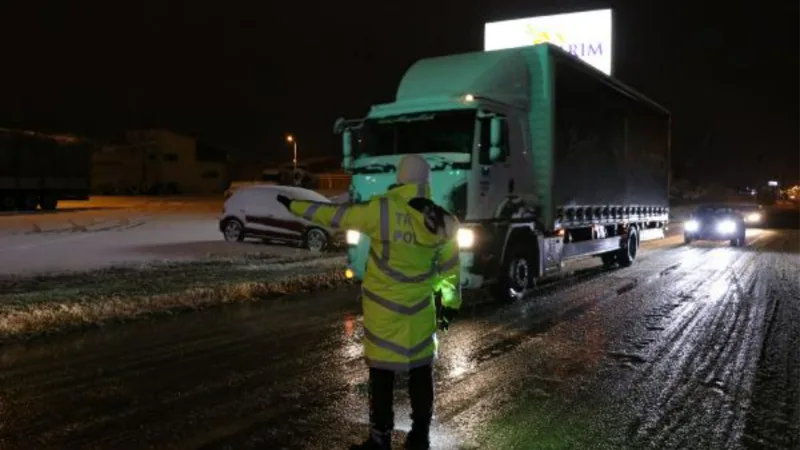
[(449, 267), (360, 217)]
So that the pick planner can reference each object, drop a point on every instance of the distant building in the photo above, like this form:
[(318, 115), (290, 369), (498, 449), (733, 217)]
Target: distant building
[(159, 162)]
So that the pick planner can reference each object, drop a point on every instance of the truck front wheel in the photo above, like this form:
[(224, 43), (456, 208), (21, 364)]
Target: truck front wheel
[(517, 274), (627, 254)]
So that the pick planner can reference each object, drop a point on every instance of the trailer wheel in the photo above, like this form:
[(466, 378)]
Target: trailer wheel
[(627, 255), (517, 273), (8, 202), (28, 202), (48, 203)]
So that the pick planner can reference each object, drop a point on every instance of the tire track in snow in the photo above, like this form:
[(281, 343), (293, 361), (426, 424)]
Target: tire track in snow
[(773, 420), (701, 352)]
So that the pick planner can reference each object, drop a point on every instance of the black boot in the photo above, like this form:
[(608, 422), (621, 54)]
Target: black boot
[(381, 390), (375, 441), (417, 439), (420, 385)]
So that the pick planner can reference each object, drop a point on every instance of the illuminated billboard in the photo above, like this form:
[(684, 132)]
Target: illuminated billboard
[(586, 35)]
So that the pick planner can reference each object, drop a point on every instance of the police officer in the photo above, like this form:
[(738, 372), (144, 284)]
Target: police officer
[(413, 253)]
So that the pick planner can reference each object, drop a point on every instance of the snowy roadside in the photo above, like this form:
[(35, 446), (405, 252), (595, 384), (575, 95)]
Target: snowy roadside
[(43, 304)]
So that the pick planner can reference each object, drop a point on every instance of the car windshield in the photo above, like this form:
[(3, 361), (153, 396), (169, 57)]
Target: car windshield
[(714, 210), (439, 132)]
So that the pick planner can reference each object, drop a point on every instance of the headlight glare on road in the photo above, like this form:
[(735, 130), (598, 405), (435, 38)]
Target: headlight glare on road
[(352, 237), (726, 226), (465, 237), (753, 217), (691, 226)]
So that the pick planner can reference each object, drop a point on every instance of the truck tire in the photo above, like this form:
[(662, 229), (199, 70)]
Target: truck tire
[(609, 259), (518, 271), (27, 202), (627, 255), (8, 202), (48, 203)]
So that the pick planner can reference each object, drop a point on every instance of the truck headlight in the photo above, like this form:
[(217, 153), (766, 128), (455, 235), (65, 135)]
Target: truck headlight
[(352, 237), (753, 217), (691, 226), (726, 226), (465, 238)]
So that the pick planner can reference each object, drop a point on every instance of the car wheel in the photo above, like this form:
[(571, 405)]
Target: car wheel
[(233, 230), (316, 240), (687, 239), (627, 255), (738, 242)]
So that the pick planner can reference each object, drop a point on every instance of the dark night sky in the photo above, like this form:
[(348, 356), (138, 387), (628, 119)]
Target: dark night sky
[(243, 74)]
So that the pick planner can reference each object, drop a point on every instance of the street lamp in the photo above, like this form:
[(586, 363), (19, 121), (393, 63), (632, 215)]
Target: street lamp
[(290, 139)]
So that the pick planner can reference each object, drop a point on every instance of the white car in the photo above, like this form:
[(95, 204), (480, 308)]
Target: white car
[(254, 212)]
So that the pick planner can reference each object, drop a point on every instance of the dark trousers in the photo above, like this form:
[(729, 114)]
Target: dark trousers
[(420, 389)]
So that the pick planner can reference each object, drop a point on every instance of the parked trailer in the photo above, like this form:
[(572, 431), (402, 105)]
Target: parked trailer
[(38, 170), (542, 157)]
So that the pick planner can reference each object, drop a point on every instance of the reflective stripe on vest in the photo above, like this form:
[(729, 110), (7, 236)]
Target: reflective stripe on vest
[(449, 264), (396, 307), (383, 261), (396, 348), (312, 208), (337, 216)]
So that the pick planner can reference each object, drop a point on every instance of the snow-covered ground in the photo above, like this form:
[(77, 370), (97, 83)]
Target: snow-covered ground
[(117, 230)]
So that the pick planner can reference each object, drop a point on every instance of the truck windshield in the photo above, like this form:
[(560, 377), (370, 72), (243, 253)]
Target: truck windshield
[(440, 132)]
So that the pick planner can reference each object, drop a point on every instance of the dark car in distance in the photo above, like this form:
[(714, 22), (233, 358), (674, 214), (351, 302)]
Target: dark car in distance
[(715, 223)]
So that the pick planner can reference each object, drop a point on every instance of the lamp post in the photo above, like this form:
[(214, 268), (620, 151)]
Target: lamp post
[(290, 139)]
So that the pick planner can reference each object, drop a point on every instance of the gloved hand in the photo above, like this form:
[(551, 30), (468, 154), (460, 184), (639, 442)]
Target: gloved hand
[(285, 201), (446, 316)]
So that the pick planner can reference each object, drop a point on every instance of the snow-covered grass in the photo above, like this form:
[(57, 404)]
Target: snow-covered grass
[(34, 305)]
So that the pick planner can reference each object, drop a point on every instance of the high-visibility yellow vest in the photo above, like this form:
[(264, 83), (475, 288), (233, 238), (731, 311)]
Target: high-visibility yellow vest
[(406, 261)]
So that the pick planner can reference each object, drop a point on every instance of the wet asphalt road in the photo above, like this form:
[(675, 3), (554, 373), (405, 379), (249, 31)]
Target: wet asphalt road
[(692, 347)]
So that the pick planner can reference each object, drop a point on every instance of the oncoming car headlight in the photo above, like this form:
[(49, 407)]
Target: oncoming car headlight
[(352, 237), (691, 226), (465, 238), (753, 217), (726, 226)]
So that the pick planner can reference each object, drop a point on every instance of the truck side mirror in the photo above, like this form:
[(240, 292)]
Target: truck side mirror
[(347, 150), (496, 140)]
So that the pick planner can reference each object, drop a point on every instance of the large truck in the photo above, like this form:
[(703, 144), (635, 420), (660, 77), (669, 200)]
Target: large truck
[(38, 170), (541, 157)]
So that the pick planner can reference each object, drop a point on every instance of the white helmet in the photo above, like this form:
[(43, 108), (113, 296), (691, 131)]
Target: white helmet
[(413, 169)]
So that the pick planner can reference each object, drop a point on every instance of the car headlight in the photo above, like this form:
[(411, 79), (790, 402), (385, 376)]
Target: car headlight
[(352, 237), (753, 217), (691, 226), (465, 238), (726, 226)]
